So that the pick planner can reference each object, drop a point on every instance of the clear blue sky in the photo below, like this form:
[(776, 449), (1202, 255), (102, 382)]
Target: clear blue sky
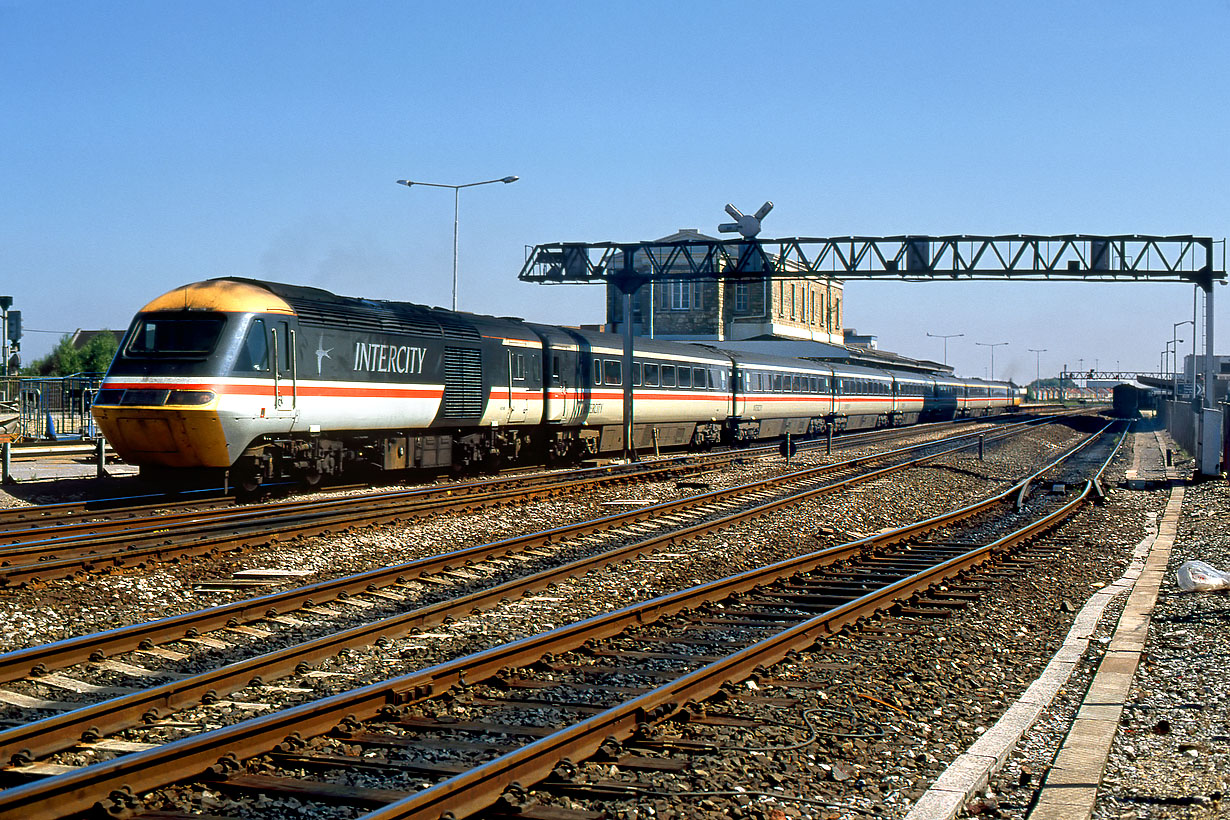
[(144, 145)]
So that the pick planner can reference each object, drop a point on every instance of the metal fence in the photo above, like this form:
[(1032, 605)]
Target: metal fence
[(53, 408)]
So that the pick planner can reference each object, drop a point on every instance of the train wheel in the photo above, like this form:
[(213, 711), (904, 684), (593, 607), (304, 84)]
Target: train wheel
[(247, 485), (246, 480)]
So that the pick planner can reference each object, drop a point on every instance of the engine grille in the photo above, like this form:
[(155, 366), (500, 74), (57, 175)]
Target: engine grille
[(463, 383)]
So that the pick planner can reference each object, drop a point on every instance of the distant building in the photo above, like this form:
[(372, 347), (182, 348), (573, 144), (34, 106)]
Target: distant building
[(81, 338), (805, 308), (852, 338), (1221, 371)]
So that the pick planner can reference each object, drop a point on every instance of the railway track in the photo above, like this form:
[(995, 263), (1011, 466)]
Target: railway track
[(715, 505), (156, 504), (758, 498), (771, 610), (31, 554)]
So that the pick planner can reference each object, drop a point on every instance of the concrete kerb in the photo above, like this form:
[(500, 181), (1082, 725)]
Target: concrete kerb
[(971, 772)]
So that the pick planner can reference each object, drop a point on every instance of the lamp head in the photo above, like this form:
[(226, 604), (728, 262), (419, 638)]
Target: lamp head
[(405, 182), (507, 179)]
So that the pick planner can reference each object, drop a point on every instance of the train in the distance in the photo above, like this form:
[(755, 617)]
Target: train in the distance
[(267, 380)]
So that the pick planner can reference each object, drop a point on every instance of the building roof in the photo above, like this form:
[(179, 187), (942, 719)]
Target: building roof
[(688, 235), (81, 338), (823, 351)]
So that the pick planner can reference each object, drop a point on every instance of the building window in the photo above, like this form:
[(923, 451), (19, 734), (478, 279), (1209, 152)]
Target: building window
[(684, 296), (678, 296), (741, 297), (793, 311)]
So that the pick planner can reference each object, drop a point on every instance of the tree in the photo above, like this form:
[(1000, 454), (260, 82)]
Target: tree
[(97, 354), (65, 360)]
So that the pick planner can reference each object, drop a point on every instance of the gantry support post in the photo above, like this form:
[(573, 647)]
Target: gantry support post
[(1209, 444), (629, 283)]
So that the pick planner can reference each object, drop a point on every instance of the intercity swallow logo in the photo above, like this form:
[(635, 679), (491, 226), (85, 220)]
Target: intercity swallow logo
[(322, 353)]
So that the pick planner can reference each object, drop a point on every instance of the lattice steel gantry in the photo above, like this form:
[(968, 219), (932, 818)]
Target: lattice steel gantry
[(1015, 257)]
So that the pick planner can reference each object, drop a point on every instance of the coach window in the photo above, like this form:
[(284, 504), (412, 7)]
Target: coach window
[(611, 373), (555, 368), (254, 355), (668, 375), (685, 377), (651, 375), (597, 371), (698, 377), (636, 374)]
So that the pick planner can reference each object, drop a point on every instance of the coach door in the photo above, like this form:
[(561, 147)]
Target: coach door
[(566, 386), (518, 386), (285, 369)]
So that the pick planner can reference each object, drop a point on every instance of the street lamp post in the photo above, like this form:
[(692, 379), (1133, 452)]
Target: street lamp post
[(1166, 353), (1174, 371), (1037, 351), (991, 345), (945, 337), (456, 212)]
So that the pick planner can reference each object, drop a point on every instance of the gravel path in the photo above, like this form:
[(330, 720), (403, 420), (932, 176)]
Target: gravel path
[(1171, 758)]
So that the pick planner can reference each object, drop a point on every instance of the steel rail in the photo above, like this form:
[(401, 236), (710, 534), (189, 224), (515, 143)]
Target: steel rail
[(157, 517), (93, 647), (412, 499), (259, 527), (142, 771), (51, 515), (25, 561), (128, 506)]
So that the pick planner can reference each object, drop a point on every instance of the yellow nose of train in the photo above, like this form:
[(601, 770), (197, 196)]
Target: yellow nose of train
[(166, 434), (166, 400)]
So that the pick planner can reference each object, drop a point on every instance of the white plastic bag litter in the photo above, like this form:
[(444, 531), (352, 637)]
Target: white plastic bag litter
[(1197, 576)]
